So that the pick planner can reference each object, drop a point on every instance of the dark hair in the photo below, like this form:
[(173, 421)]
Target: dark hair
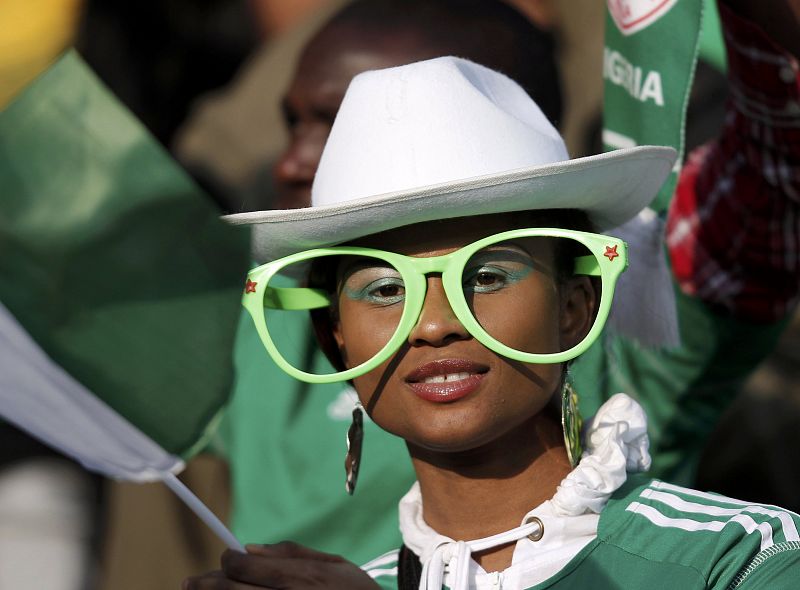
[(489, 32), (322, 274)]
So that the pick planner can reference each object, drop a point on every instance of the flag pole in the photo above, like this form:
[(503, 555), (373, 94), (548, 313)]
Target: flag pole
[(201, 510)]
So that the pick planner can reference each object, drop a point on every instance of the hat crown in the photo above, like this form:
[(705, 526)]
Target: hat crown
[(437, 121)]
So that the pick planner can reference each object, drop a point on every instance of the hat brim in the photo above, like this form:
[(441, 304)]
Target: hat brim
[(611, 188)]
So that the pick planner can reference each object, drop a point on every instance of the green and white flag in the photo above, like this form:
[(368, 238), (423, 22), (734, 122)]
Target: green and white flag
[(648, 67), (119, 285), (649, 58)]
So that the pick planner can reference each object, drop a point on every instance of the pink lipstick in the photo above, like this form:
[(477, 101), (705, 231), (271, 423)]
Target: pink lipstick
[(446, 380)]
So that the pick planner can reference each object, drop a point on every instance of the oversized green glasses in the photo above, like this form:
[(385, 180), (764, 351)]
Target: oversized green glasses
[(490, 284)]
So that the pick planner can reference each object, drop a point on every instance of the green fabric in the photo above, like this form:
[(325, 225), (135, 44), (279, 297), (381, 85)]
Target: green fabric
[(683, 390), (658, 538), (647, 74), (286, 451), (113, 260), (722, 548), (712, 46)]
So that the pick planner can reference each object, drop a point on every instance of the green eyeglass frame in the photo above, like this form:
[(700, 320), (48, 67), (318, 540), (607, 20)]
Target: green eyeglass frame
[(608, 259)]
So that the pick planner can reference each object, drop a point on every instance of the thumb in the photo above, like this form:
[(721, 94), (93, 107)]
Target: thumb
[(290, 550)]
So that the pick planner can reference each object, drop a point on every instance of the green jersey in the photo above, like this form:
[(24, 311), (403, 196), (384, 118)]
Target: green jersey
[(657, 535)]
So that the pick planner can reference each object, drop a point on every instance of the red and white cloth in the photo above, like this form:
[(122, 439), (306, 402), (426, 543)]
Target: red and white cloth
[(733, 229)]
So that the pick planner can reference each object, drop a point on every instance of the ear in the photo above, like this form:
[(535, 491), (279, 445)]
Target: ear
[(338, 337), (336, 328), (578, 305)]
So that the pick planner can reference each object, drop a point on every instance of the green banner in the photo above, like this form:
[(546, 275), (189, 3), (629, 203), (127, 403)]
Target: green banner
[(114, 261), (648, 64)]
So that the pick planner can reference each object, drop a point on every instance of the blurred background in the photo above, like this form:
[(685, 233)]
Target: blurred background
[(207, 79)]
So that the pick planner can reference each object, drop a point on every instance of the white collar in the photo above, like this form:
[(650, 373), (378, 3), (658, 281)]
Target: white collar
[(616, 442)]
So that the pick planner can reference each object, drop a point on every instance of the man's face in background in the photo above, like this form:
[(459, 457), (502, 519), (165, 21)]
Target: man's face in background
[(329, 62)]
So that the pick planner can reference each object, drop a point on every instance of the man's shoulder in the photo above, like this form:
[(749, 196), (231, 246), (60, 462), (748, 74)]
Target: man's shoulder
[(723, 539)]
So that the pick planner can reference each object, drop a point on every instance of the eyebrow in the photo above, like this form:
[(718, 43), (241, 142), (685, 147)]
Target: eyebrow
[(514, 254), (517, 248)]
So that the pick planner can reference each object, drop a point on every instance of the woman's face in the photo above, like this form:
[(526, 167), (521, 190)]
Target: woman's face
[(444, 390)]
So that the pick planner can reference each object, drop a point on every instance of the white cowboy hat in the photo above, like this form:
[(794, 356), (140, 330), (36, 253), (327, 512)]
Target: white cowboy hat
[(449, 138)]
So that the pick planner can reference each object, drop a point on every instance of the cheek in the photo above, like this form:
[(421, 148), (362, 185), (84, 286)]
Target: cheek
[(364, 334), (377, 390), (360, 338)]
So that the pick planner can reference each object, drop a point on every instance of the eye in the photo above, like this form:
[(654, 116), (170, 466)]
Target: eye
[(381, 291), (485, 279), (290, 116), (385, 291), (390, 290)]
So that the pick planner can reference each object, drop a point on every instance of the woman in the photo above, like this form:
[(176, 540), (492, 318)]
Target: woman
[(469, 278)]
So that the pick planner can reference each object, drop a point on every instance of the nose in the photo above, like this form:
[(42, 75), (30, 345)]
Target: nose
[(294, 170), (437, 324)]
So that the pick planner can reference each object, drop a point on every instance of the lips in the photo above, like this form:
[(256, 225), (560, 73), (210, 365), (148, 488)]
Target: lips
[(446, 380)]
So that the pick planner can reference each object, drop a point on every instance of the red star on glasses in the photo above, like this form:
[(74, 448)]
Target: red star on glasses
[(611, 252), (250, 286)]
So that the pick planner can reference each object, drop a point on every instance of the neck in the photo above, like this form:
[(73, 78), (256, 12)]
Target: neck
[(488, 490)]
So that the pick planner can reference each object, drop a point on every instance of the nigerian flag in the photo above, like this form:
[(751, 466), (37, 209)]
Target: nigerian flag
[(651, 48), (649, 58), (119, 285)]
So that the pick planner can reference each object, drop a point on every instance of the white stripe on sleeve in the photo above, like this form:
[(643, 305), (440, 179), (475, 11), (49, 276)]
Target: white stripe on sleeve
[(687, 524)]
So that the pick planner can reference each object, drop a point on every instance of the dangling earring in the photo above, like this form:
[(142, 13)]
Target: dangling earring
[(355, 438), (571, 422)]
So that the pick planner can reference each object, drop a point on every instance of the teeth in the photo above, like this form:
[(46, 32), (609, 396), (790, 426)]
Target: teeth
[(448, 377)]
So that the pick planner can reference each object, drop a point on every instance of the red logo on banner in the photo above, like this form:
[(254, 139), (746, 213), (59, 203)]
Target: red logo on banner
[(250, 286), (631, 16)]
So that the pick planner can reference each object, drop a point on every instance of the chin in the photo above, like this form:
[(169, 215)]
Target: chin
[(461, 431)]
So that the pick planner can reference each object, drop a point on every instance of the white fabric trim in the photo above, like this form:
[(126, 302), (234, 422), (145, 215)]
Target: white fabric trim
[(40, 397), (388, 557), (719, 498), (616, 442), (382, 572), (674, 501), (644, 307), (687, 524)]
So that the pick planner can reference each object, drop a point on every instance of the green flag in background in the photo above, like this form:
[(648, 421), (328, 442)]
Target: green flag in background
[(119, 286), (648, 65)]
